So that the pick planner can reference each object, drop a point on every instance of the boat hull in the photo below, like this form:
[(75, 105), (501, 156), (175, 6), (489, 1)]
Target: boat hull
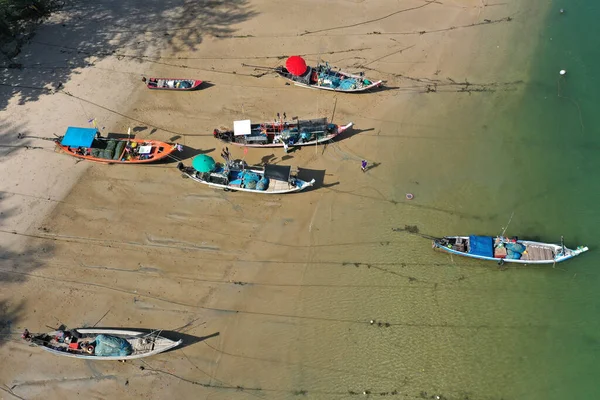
[(314, 83), (160, 151), (144, 344), (324, 139), (372, 86), (531, 246), (158, 84), (275, 186)]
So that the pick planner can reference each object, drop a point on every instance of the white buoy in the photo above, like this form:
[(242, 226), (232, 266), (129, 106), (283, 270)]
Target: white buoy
[(562, 11), (563, 71)]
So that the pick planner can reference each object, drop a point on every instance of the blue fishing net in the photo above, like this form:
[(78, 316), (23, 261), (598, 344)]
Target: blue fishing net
[(348, 84), (263, 184), (514, 251), (111, 346), (249, 176)]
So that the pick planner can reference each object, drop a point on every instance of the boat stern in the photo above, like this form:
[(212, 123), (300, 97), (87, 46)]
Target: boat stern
[(580, 249), (345, 127), (568, 254), (304, 185)]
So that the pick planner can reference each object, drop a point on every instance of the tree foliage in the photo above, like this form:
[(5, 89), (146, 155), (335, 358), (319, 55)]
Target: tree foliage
[(14, 12)]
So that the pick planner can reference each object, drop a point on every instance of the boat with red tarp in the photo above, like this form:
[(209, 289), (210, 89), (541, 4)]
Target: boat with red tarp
[(323, 76)]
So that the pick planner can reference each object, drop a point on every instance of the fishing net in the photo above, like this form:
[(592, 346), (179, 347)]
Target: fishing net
[(347, 84), (119, 150), (263, 184), (249, 176), (514, 251), (111, 346)]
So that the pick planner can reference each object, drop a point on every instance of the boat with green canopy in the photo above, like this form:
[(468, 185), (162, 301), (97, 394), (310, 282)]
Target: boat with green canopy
[(237, 176)]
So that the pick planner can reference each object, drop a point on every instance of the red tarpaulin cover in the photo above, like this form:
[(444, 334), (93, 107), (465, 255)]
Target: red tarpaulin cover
[(296, 65)]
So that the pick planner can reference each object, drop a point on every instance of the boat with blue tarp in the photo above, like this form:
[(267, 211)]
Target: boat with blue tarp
[(89, 144), (101, 343), (503, 249), (236, 175), (323, 76)]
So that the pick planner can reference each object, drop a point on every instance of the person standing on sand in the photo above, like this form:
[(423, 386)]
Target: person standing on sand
[(363, 165)]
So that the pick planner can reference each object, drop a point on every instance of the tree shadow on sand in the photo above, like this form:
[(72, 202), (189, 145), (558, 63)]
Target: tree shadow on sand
[(9, 314), (13, 136), (16, 265), (14, 269), (84, 32)]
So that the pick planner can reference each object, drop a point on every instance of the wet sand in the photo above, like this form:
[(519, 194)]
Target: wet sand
[(271, 295)]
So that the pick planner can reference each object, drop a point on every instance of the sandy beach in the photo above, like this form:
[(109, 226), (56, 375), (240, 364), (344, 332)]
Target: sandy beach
[(272, 296)]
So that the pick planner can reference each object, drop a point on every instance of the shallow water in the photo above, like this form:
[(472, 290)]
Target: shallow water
[(460, 327)]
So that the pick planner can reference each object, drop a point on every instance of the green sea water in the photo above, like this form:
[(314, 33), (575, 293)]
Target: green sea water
[(557, 125), (538, 162), (465, 328)]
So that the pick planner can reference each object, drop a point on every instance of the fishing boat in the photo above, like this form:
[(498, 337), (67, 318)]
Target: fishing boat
[(101, 344), (172, 84), (281, 133), (237, 176), (88, 144), (502, 249), (324, 77)]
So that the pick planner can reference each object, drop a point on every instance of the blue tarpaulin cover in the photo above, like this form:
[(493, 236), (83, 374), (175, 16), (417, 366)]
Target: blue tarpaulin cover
[(481, 246), (78, 137)]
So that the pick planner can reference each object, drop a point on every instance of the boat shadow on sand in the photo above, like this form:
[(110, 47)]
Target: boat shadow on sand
[(187, 153), (351, 132), (186, 340), (309, 174)]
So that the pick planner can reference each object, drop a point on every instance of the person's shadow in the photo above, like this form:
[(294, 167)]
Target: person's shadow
[(372, 166)]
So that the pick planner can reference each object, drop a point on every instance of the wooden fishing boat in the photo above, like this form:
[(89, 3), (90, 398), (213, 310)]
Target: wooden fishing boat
[(88, 144), (281, 133), (172, 84), (503, 250), (237, 176), (101, 344), (324, 77)]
